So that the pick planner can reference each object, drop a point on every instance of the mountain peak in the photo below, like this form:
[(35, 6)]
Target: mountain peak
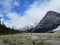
[(49, 22)]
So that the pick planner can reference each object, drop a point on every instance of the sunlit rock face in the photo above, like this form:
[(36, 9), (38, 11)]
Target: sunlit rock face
[(49, 22)]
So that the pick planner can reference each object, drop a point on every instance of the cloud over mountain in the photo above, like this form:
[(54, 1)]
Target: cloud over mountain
[(33, 14)]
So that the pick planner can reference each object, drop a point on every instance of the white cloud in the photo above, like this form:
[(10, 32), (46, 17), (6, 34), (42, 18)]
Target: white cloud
[(16, 3), (34, 13), (19, 21), (8, 5)]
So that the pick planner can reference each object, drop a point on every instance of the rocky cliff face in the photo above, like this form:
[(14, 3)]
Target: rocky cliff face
[(50, 21)]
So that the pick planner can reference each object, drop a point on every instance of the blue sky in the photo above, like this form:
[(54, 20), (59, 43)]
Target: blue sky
[(20, 13)]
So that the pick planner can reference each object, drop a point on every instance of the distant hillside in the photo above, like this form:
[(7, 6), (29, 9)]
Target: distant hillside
[(4, 30)]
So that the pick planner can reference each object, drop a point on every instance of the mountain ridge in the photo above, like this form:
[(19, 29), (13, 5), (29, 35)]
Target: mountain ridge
[(49, 22)]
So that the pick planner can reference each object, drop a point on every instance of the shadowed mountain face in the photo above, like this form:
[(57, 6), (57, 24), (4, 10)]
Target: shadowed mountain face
[(50, 21)]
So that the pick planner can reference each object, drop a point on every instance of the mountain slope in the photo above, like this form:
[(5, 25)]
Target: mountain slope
[(50, 21)]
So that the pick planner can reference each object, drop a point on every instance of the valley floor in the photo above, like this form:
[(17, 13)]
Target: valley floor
[(31, 39)]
